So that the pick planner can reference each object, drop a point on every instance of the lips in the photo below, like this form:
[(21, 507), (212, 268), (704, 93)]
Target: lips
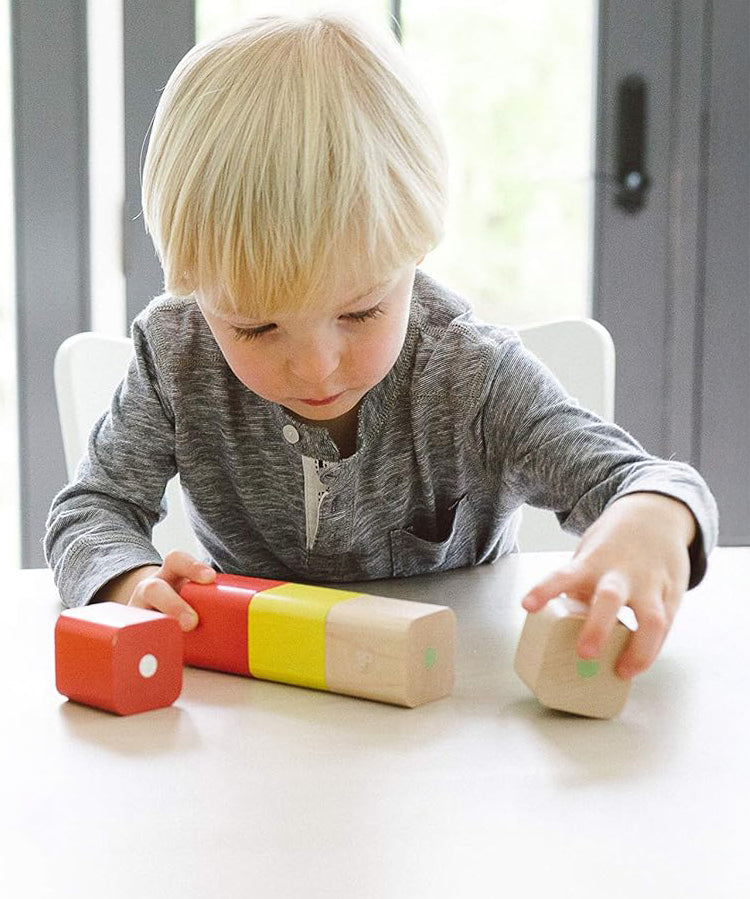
[(324, 402)]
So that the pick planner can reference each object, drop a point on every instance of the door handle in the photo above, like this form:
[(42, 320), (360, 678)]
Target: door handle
[(632, 180)]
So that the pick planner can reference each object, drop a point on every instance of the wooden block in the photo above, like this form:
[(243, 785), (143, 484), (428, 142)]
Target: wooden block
[(287, 633), (391, 650), (346, 642), (219, 641), (547, 662), (119, 658)]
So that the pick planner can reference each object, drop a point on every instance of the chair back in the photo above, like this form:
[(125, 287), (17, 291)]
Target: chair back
[(88, 368), (581, 355)]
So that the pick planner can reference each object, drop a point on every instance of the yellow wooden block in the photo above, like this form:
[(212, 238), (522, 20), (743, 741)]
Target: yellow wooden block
[(287, 633)]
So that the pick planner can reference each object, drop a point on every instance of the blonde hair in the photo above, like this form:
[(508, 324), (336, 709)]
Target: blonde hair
[(283, 153)]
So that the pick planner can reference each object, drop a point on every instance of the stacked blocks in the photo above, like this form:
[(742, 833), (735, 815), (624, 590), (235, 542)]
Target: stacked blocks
[(547, 662), (390, 650), (119, 658)]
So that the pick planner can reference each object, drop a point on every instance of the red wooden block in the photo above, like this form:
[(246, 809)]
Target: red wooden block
[(219, 641), (119, 658)]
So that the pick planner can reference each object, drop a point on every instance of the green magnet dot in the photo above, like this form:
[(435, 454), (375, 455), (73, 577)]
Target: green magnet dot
[(587, 667), (430, 657)]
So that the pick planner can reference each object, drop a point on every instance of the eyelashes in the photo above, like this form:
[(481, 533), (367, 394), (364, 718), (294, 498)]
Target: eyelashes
[(373, 312), (248, 334)]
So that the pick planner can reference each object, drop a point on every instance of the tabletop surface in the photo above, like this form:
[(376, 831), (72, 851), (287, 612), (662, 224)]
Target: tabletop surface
[(250, 788)]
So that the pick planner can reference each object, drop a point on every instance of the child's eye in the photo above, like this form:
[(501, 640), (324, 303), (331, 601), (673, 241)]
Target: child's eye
[(251, 333), (373, 312)]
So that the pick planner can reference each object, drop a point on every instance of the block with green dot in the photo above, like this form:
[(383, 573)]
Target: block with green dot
[(548, 663), (391, 650), (345, 641)]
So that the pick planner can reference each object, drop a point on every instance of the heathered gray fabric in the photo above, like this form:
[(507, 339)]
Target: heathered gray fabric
[(466, 427)]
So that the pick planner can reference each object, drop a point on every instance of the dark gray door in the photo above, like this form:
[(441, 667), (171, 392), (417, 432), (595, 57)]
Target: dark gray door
[(671, 274)]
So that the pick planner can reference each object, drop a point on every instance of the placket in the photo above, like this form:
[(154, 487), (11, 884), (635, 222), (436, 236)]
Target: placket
[(328, 499), (336, 513)]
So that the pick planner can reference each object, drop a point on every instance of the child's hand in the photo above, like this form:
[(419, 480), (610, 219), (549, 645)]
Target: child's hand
[(159, 588), (635, 554)]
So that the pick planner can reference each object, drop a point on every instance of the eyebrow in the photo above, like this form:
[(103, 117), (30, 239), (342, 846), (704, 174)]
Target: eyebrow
[(366, 293), (259, 322)]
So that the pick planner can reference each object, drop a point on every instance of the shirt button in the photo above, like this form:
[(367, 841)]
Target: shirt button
[(291, 434)]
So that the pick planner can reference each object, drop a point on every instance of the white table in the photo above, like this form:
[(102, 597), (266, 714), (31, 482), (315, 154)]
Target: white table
[(253, 789)]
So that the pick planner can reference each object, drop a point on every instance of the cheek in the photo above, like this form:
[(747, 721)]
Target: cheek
[(397, 336), (251, 367), (380, 353)]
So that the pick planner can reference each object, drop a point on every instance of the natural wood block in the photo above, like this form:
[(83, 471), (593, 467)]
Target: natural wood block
[(547, 662), (347, 642), (119, 658), (391, 650)]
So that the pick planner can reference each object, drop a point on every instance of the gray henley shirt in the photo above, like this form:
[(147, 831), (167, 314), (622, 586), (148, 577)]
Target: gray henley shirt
[(466, 427)]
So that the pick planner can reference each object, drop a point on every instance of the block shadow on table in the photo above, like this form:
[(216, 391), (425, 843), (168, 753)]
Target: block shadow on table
[(158, 732)]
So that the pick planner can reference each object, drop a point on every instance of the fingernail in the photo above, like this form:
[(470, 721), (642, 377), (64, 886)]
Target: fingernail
[(188, 621), (207, 573)]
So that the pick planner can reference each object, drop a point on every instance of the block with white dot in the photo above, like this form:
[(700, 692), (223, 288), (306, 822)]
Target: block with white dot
[(547, 662), (119, 658)]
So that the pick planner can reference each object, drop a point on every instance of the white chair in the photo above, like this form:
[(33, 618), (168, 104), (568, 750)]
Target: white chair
[(88, 368), (581, 355)]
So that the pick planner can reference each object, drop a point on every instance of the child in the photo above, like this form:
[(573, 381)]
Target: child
[(334, 413)]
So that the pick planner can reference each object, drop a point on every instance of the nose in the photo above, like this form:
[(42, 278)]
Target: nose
[(316, 359)]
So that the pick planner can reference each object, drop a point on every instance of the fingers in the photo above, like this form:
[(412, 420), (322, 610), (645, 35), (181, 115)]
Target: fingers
[(154, 593), (644, 645), (179, 567), (654, 612), (610, 595), (560, 581), (160, 592)]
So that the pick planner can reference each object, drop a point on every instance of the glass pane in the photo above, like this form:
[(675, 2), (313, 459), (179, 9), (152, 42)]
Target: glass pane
[(513, 84), (214, 16), (10, 552), (106, 165)]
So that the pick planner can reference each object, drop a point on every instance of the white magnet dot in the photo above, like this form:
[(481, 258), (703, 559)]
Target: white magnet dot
[(148, 665)]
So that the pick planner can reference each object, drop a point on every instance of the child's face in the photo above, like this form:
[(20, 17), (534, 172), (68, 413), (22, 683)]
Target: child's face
[(320, 363)]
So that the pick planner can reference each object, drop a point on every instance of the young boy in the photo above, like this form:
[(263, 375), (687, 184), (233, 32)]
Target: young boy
[(333, 412)]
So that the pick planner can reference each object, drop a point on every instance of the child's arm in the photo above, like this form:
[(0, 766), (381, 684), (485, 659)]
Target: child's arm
[(635, 554), (100, 523), (647, 524), (156, 587)]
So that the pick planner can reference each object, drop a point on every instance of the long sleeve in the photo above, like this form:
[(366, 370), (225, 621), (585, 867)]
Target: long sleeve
[(553, 454), (100, 524)]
